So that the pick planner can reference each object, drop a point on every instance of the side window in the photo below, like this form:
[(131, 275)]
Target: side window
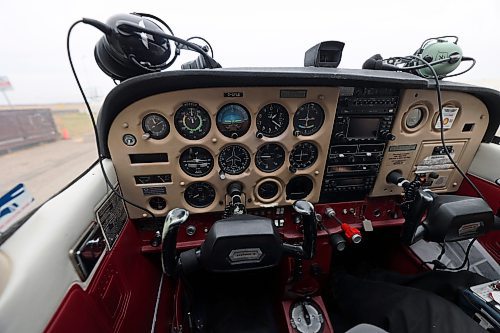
[(42, 149), (496, 139)]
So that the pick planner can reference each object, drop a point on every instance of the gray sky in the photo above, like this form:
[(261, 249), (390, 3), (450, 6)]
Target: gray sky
[(256, 33)]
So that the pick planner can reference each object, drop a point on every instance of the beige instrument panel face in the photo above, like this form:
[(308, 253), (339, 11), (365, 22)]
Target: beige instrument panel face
[(129, 121), (414, 149)]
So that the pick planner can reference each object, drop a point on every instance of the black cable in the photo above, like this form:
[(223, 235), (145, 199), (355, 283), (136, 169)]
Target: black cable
[(206, 42), (441, 130), (94, 125), (466, 259)]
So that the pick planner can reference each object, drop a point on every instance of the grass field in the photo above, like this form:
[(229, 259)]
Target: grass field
[(77, 124)]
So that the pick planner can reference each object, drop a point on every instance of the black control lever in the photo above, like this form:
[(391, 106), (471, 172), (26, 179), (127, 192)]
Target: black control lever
[(414, 211), (173, 220), (310, 228)]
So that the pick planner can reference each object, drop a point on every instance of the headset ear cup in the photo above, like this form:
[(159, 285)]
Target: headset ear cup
[(113, 66)]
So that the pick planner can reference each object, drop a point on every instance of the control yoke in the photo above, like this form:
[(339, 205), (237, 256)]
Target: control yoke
[(447, 217), (310, 228), (239, 242), (174, 219)]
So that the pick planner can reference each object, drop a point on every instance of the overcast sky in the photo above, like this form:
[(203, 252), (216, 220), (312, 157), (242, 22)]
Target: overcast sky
[(253, 33)]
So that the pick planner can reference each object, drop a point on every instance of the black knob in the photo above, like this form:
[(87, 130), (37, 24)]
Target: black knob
[(388, 136), (292, 169), (259, 135), (296, 133)]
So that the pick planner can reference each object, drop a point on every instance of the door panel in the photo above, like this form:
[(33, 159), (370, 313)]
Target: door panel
[(121, 296), (38, 277)]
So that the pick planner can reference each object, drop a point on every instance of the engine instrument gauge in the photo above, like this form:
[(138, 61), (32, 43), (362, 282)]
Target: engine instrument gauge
[(156, 126), (233, 120), (270, 157), (192, 121), (308, 119), (199, 194), (196, 161), (272, 120), (234, 159), (268, 189), (303, 155), (414, 117)]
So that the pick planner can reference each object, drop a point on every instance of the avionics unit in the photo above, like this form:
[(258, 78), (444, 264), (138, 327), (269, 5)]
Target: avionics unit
[(362, 128)]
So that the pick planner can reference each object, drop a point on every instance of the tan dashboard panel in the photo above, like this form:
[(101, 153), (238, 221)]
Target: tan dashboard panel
[(129, 121), (413, 148)]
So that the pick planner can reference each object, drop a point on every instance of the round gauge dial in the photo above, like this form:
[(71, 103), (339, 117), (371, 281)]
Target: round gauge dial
[(192, 121), (414, 117), (156, 126), (196, 161), (308, 119), (157, 203), (234, 159), (303, 155), (272, 120), (199, 194), (270, 157), (268, 189), (233, 120), (298, 187)]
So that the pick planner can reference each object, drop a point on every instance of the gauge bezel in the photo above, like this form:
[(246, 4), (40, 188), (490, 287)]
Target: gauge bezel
[(259, 150), (233, 134), (275, 197), (316, 128), (186, 133), (247, 165), (200, 184), (310, 162), (196, 175), (153, 136), (265, 109)]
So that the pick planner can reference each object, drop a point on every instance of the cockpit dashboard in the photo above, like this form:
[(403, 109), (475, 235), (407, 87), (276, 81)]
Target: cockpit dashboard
[(178, 139)]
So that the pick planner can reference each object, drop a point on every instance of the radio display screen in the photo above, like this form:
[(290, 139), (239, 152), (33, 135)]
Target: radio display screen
[(361, 127)]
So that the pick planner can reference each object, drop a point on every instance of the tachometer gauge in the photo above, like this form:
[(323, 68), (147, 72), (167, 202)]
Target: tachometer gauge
[(199, 195), (308, 119), (414, 117), (303, 155), (233, 120), (196, 161), (270, 157), (234, 159), (192, 121), (272, 120), (156, 126)]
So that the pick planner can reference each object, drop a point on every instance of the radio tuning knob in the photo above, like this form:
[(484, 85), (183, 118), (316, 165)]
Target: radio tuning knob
[(388, 136)]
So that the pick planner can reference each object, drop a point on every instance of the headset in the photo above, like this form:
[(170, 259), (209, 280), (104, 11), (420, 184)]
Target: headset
[(133, 44), (439, 52)]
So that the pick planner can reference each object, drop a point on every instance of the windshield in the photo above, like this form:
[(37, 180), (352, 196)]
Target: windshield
[(46, 137)]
